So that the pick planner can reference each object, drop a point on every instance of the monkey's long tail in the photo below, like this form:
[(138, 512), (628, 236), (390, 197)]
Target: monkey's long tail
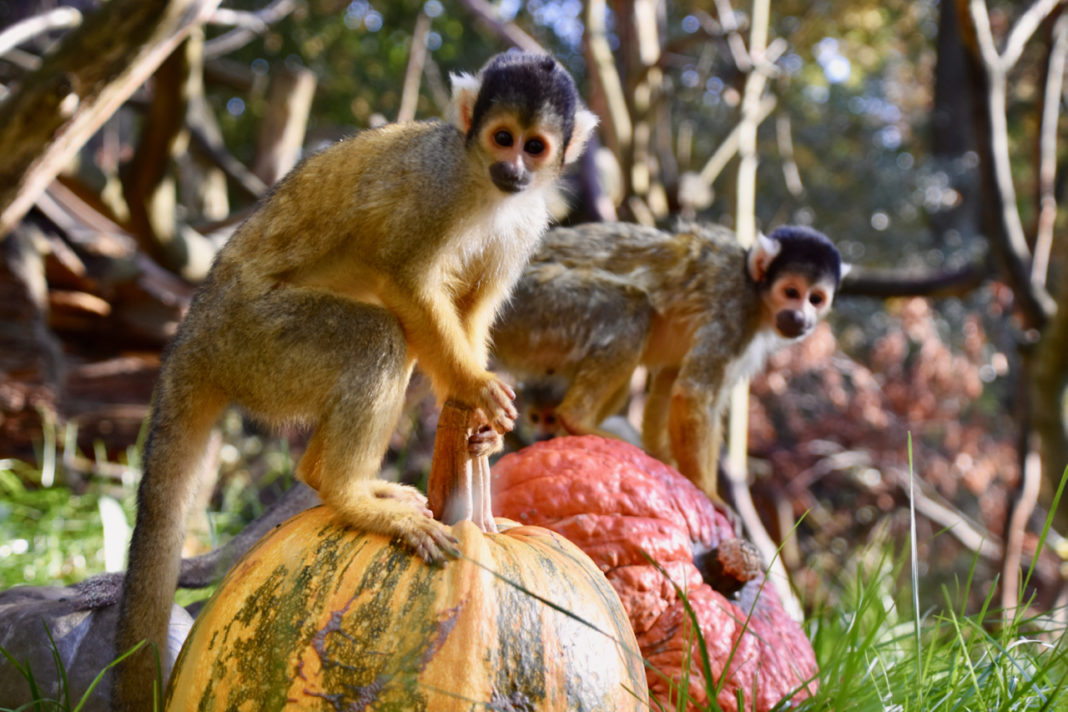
[(179, 431)]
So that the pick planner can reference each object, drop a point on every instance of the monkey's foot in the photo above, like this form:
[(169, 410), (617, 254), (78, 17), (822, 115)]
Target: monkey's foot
[(408, 518), (402, 494), (428, 538), (484, 442)]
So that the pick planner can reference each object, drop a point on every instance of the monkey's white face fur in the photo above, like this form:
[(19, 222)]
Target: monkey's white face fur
[(794, 302)]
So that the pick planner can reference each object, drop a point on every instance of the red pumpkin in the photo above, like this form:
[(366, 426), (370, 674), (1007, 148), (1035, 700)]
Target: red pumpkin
[(615, 502), (317, 616)]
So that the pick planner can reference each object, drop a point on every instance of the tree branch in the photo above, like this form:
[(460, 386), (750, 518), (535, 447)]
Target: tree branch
[(414, 72), (885, 284), (1047, 151), (507, 31), (605, 78), (1025, 26), (1035, 301), (62, 104), (249, 26), (60, 18)]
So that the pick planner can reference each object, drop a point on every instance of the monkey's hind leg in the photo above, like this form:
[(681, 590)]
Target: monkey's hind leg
[(344, 456), (655, 437), (600, 385)]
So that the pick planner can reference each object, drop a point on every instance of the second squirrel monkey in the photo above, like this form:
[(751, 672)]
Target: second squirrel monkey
[(393, 247), (695, 307)]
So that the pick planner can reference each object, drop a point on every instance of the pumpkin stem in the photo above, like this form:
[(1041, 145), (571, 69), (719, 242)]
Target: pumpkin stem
[(729, 566), (459, 484)]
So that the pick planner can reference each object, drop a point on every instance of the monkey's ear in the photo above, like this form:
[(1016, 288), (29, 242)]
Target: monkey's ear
[(761, 255), (462, 106), (845, 269), (585, 123)]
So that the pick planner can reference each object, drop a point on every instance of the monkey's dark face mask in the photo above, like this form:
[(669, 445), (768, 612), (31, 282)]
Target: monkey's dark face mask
[(509, 177), (792, 324)]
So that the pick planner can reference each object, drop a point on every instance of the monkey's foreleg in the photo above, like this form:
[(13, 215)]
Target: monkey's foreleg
[(600, 386), (437, 338)]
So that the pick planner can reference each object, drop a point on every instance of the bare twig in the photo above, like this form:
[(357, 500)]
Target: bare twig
[(745, 211), (249, 26), (769, 552), (941, 512), (735, 43), (281, 135), (745, 227), (414, 72), (1025, 26), (507, 31), (605, 78), (645, 95), (148, 184), (60, 18), (234, 169), (726, 150), (1047, 151), (790, 172), (1016, 529)]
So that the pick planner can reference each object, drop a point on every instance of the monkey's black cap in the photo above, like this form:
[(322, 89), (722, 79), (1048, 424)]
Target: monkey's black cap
[(803, 249), (527, 83)]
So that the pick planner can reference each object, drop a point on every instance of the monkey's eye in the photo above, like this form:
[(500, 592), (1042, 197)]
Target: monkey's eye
[(503, 138), (791, 293), (815, 299), (534, 146)]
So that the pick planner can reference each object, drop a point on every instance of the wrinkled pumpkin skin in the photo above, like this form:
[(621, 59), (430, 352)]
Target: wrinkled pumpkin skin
[(614, 501), (320, 617)]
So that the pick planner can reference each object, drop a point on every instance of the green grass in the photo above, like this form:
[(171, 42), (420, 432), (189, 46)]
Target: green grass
[(881, 649), (883, 642), (870, 657), (51, 526), (63, 702), (48, 535)]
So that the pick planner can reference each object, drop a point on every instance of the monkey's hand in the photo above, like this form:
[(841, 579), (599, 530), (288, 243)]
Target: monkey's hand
[(495, 400)]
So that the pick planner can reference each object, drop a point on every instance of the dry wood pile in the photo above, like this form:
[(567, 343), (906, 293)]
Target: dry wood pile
[(114, 201)]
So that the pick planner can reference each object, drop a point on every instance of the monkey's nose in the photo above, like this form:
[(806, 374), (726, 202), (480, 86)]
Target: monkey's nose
[(509, 177), (790, 323)]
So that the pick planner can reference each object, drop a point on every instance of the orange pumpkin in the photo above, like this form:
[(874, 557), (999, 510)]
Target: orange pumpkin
[(618, 504), (320, 617)]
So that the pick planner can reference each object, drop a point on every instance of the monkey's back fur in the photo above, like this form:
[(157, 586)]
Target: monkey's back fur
[(656, 286)]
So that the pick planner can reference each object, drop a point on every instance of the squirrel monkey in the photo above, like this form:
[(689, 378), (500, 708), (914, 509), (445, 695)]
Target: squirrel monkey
[(695, 307), (394, 246)]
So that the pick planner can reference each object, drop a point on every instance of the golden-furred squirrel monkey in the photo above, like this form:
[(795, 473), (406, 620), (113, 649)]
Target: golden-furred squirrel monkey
[(395, 246), (695, 307)]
